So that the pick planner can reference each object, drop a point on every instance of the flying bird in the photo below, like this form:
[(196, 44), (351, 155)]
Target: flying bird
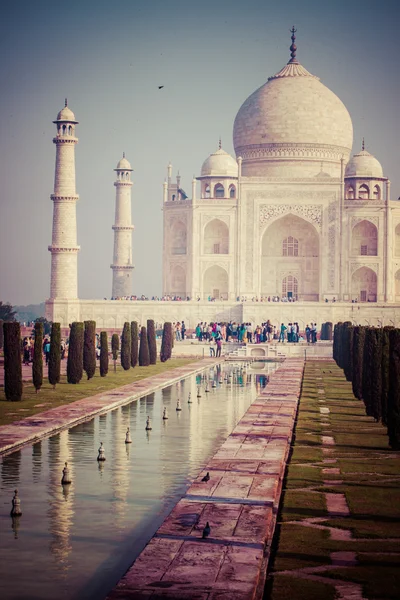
[(160, 87), (206, 531)]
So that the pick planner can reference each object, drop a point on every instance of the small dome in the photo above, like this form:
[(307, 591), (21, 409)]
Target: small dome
[(219, 164), (364, 164), (124, 164), (66, 114)]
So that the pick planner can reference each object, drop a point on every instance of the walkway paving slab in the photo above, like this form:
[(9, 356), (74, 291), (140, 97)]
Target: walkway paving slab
[(240, 503)]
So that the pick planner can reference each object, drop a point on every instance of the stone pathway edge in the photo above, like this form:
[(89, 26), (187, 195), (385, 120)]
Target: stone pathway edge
[(239, 500), (32, 429)]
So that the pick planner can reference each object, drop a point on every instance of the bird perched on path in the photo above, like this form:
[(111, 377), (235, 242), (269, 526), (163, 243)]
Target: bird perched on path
[(206, 531), (206, 477)]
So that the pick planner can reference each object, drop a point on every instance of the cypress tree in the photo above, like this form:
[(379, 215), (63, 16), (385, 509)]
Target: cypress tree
[(336, 342), (323, 332), (103, 354), (144, 356), (376, 374), (75, 353), (12, 361), (126, 347), (151, 338), (134, 343), (393, 405), (89, 348), (37, 365), (166, 344), (1, 335), (385, 372), (114, 349), (55, 355), (347, 354), (328, 330), (368, 370), (358, 360)]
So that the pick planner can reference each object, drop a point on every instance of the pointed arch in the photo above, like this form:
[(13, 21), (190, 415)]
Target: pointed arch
[(216, 237), (178, 281), (216, 283), (364, 285), (350, 192), (219, 191), (178, 237), (377, 192), (363, 191), (364, 240)]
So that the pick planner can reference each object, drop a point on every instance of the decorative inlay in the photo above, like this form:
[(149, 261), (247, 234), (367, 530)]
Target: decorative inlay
[(332, 212), (285, 150), (310, 212), (356, 220), (355, 266), (57, 250)]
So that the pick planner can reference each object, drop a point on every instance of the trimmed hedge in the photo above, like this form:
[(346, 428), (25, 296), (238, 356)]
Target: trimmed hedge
[(126, 347), (144, 355), (89, 349), (134, 343), (385, 372), (358, 360), (346, 350), (103, 354), (37, 364), (151, 338), (1, 335), (166, 344), (55, 355), (393, 401), (115, 348), (12, 361), (75, 353)]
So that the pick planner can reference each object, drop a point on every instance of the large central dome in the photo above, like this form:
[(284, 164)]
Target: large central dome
[(293, 117)]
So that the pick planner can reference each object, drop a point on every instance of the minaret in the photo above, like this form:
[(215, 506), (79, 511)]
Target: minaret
[(64, 249), (122, 262)]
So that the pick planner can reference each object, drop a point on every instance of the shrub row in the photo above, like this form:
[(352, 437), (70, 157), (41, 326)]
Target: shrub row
[(370, 358), (326, 331)]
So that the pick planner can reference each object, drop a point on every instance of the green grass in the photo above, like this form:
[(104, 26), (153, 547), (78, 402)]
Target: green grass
[(371, 483), (285, 587), (66, 393)]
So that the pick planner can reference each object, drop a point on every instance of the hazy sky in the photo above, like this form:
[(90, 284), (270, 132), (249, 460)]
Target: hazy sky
[(109, 57)]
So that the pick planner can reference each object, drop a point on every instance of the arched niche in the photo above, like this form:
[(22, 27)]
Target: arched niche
[(397, 240), (232, 191), (178, 281), (216, 283), (363, 192), (216, 237), (350, 192), (219, 191), (377, 192), (178, 237), (364, 240), (397, 285), (364, 285), (290, 247)]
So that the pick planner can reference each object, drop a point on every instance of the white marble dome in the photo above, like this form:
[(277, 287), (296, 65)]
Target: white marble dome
[(364, 164), (294, 112), (124, 164), (66, 114), (219, 164)]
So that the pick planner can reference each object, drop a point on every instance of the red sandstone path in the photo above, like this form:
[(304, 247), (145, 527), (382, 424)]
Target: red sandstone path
[(27, 371), (240, 501)]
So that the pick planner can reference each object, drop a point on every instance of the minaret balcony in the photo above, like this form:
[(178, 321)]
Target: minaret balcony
[(60, 250), (123, 227), (122, 267)]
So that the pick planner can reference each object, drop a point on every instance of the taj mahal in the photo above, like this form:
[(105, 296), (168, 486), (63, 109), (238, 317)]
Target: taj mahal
[(293, 226)]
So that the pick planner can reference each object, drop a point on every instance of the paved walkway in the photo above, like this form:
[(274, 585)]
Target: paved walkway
[(32, 428), (239, 501)]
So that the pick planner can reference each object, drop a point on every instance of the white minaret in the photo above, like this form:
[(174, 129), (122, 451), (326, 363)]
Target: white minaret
[(64, 249), (122, 262)]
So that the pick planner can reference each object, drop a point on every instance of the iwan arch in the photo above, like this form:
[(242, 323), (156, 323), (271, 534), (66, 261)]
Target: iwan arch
[(293, 216)]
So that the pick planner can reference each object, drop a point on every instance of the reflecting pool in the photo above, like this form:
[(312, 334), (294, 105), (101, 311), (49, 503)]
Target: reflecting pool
[(75, 542)]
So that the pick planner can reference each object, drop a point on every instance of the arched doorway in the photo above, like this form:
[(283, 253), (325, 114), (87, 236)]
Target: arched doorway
[(216, 283), (290, 287), (178, 282), (364, 285), (364, 239), (216, 237), (290, 254)]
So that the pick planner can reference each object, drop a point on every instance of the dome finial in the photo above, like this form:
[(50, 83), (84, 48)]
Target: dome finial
[(66, 102), (363, 145), (293, 46), (123, 155), (219, 143)]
